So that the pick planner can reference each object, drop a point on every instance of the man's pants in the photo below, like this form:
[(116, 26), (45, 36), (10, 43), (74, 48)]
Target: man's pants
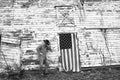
[(43, 63)]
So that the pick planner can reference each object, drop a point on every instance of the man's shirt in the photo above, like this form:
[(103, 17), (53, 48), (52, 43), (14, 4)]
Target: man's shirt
[(42, 50)]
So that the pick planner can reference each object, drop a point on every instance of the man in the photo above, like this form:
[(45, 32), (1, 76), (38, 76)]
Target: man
[(42, 51)]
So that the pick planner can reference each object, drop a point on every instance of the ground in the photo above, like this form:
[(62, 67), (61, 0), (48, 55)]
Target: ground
[(94, 74)]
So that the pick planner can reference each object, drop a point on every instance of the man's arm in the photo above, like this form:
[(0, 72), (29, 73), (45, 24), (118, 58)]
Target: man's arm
[(38, 49), (49, 48)]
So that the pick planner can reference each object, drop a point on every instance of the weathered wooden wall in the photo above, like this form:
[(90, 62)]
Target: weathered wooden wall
[(96, 51), (38, 21)]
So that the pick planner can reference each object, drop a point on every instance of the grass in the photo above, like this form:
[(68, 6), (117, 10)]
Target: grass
[(101, 74)]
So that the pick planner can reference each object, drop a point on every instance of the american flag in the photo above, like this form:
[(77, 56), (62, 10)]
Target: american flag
[(69, 52)]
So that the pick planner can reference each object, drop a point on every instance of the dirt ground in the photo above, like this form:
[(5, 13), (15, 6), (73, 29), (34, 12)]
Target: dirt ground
[(93, 74)]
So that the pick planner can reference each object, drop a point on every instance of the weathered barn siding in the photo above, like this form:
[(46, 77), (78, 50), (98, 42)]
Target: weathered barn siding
[(38, 21), (96, 51)]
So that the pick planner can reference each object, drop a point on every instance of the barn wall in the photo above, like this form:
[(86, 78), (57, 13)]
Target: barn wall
[(38, 21), (96, 51)]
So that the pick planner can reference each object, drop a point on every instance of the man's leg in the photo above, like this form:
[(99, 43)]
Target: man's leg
[(46, 65), (41, 59)]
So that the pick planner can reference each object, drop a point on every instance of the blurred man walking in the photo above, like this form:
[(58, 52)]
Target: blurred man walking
[(42, 51)]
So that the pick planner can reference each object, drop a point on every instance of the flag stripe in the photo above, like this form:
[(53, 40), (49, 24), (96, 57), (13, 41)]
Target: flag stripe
[(73, 49), (70, 58), (78, 54), (68, 53), (66, 59), (75, 52), (63, 64)]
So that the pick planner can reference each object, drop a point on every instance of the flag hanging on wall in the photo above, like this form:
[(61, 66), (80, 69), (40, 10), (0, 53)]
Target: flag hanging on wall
[(69, 52)]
